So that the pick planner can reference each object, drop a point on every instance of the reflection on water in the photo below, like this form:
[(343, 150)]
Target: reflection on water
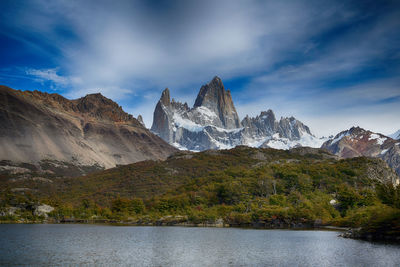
[(179, 246)]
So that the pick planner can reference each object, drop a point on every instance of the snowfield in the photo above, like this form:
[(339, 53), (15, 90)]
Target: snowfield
[(379, 140)]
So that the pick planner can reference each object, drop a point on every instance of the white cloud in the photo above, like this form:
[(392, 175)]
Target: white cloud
[(186, 43), (137, 48), (48, 75), (79, 89)]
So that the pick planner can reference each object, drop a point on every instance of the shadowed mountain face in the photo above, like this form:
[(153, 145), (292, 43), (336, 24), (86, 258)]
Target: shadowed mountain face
[(92, 130), (357, 142)]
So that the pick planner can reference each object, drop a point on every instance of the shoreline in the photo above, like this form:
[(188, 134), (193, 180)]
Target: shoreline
[(194, 225), (344, 232)]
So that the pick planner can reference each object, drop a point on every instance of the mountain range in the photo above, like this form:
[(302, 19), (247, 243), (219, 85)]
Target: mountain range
[(213, 123), (93, 132)]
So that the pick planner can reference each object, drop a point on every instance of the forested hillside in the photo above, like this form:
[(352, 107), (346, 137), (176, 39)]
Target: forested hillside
[(244, 186)]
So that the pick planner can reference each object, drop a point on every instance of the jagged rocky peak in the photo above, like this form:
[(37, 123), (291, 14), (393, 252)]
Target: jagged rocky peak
[(179, 106), (213, 107), (292, 128), (262, 125), (356, 130), (214, 97), (165, 98), (264, 116), (266, 124), (171, 104), (269, 114), (101, 107), (95, 99)]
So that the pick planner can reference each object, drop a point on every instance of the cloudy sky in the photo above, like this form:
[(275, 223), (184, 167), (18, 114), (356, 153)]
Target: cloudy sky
[(331, 64)]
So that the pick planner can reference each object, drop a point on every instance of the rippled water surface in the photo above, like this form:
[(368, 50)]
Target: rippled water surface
[(179, 246)]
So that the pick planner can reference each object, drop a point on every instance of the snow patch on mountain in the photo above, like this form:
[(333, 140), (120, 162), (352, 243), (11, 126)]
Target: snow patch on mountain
[(256, 142), (205, 112), (178, 121), (179, 146), (339, 137), (306, 139), (379, 140), (395, 135), (383, 152)]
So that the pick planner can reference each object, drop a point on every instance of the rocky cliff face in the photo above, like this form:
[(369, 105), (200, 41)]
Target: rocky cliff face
[(215, 98), (213, 123), (92, 130), (357, 142)]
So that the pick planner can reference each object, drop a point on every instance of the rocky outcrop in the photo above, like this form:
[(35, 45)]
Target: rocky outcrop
[(92, 130), (357, 142), (213, 123), (43, 210), (379, 170)]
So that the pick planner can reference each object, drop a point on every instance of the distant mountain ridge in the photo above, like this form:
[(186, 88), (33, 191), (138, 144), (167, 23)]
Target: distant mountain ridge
[(357, 142), (92, 130), (213, 123)]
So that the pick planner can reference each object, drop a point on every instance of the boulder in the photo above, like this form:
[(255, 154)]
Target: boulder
[(42, 210)]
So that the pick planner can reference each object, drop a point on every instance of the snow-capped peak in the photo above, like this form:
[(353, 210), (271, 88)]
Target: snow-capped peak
[(213, 123), (395, 135)]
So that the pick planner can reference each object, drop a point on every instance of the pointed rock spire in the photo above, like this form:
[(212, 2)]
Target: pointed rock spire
[(165, 97), (209, 93), (214, 97), (162, 117)]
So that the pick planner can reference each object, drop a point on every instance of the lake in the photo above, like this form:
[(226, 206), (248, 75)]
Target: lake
[(102, 245)]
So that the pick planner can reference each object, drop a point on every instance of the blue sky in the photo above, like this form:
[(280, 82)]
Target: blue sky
[(331, 64)]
